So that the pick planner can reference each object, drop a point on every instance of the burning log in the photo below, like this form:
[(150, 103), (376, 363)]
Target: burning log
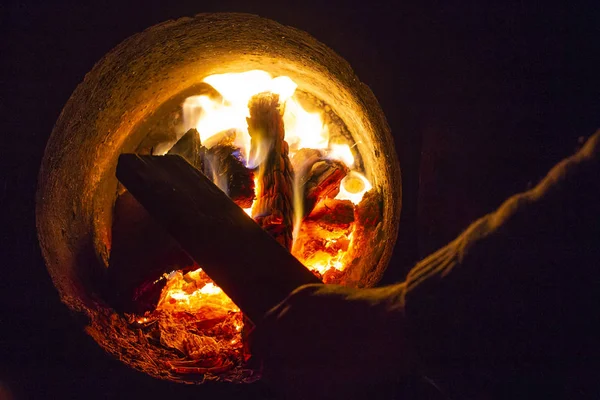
[(229, 173), (322, 181), (333, 215), (273, 209), (190, 148), (218, 161), (241, 258)]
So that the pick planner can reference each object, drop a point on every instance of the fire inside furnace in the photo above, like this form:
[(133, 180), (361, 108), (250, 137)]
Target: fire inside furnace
[(290, 163)]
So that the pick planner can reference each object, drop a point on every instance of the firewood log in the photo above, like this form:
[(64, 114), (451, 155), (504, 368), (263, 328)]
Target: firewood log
[(332, 214), (273, 209), (323, 181), (242, 259), (190, 147), (230, 174), (316, 177), (141, 247), (141, 252), (219, 162)]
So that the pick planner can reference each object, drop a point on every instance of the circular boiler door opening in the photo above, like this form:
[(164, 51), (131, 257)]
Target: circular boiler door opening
[(291, 137)]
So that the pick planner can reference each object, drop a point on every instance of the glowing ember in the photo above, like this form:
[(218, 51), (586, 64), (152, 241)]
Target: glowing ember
[(195, 291), (322, 261), (325, 236), (353, 187)]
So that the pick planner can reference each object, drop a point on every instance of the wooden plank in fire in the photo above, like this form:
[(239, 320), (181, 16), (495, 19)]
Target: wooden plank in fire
[(253, 269)]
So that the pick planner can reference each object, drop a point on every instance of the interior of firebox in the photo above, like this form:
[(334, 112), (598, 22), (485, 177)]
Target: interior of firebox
[(322, 208)]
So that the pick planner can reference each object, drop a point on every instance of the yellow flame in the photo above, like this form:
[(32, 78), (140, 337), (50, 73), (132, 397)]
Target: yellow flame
[(238, 88), (303, 129), (342, 153), (211, 116), (298, 202)]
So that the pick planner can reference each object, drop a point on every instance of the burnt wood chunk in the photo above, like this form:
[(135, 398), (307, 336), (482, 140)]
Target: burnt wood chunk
[(273, 209), (219, 161), (318, 178), (321, 182), (333, 214), (253, 269), (225, 168), (190, 148)]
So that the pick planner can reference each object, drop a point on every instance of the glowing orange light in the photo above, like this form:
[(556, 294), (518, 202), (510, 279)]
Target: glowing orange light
[(353, 187), (193, 292)]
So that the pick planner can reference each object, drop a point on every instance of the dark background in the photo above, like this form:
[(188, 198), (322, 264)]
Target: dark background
[(482, 100)]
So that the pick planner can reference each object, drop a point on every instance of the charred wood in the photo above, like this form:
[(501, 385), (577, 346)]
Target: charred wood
[(273, 209), (322, 181), (368, 213), (141, 252), (228, 172), (219, 160), (331, 219), (242, 259), (333, 214), (316, 177), (190, 148)]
